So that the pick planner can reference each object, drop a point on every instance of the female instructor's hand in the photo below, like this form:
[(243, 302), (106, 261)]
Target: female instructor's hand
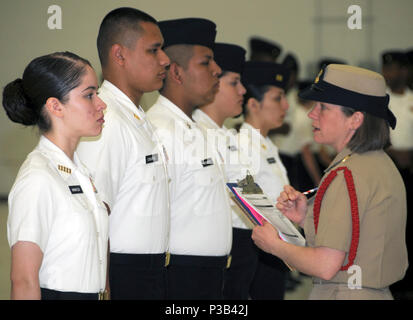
[(293, 204), (266, 237)]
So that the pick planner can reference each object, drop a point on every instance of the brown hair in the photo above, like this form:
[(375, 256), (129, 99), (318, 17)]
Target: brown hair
[(373, 134)]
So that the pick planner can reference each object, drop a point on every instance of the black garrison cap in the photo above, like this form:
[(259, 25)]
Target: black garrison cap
[(260, 45), (229, 57), (409, 54), (261, 73), (398, 57), (194, 31), (291, 62)]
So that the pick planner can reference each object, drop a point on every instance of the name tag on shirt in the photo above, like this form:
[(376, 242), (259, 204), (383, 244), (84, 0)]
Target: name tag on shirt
[(75, 189), (232, 148), (207, 162), (271, 160), (151, 158)]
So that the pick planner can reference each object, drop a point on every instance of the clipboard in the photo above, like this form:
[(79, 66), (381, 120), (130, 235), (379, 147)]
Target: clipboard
[(247, 205), (257, 207)]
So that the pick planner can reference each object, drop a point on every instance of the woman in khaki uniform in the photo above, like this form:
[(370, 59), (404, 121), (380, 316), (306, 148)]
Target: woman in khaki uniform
[(355, 223)]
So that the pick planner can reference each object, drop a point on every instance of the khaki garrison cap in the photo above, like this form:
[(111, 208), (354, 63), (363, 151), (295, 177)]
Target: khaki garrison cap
[(352, 87)]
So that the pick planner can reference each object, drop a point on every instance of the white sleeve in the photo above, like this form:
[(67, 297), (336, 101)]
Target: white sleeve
[(31, 209)]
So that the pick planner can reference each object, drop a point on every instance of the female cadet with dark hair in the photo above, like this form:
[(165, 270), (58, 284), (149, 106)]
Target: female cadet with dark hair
[(57, 226), (355, 224), (228, 103), (265, 107)]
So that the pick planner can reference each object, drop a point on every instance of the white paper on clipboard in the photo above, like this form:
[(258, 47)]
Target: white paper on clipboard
[(260, 205)]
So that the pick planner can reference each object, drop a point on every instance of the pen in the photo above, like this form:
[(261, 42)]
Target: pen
[(310, 191)]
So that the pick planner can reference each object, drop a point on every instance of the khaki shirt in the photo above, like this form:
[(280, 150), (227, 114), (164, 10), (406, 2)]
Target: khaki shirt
[(381, 196)]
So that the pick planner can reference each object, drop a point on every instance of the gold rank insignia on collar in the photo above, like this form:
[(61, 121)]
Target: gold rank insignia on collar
[(338, 162), (188, 125), (136, 116), (93, 185), (64, 169), (317, 79), (264, 147)]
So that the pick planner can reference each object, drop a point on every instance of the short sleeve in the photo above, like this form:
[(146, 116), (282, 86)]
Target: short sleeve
[(335, 224), (30, 210)]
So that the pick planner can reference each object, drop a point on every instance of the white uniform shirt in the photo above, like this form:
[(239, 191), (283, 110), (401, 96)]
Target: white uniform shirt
[(402, 107), (271, 175), (235, 165), (54, 204), (128, 164), (200, 210)]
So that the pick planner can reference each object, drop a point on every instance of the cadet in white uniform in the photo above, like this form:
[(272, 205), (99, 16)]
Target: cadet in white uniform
[(200, 236), (262, 49), (401, 104), (286, 137), (228, 103), (127, 159), (57, 226), (265, 108)]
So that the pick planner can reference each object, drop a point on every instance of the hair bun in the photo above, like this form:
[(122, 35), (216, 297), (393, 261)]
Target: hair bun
[(17, 105)]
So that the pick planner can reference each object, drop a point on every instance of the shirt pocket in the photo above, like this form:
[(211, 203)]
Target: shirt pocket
[(80, 203), (153, 173), (208, 184), (152, 197), (74, 224)]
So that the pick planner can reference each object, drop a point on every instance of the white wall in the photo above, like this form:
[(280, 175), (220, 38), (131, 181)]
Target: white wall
[(309, 28)]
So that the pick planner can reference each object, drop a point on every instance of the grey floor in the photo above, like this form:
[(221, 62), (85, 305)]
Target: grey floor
[(301, 291)]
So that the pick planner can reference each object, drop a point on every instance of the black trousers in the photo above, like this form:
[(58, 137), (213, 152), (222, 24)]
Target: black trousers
[(270, 278), (239, 276), (297, 173), (48, 294), (137, 276), (196, 277)]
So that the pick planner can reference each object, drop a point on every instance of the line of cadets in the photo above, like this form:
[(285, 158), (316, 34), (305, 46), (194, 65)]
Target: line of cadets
[(174, 233), (164, 181)]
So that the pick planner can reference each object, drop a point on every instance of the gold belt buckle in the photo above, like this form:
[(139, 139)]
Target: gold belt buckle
[(229, 259), (167, 258), (103, 295)]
